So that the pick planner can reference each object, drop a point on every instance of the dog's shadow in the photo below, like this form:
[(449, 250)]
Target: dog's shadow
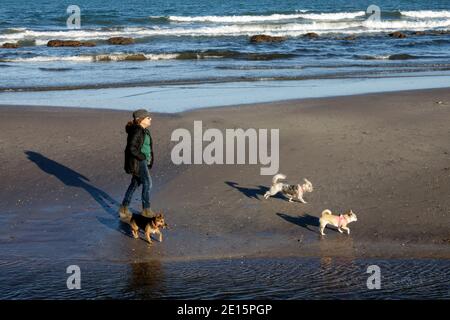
[(306, 221), (253, 193), (117, 224)]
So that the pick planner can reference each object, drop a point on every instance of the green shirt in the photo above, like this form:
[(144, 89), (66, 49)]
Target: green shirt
[(145, 149)]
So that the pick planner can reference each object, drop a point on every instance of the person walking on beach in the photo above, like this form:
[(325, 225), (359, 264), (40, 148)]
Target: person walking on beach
[(138, 161)]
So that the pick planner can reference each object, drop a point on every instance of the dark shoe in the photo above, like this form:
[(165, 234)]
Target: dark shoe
[(124, 213), (147, 212)]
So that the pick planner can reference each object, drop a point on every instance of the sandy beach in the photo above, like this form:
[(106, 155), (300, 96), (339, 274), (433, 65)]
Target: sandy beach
[(385, 156)]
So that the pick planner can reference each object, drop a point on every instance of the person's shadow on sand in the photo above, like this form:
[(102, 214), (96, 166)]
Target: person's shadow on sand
[(252, 192), (306, 221), (72, 178), (75, 179)]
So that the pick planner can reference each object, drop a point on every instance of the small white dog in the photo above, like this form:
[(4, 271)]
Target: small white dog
[(340, 222), (291, 191)]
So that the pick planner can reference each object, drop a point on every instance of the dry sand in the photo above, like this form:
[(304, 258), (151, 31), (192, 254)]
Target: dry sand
[(386, 156)]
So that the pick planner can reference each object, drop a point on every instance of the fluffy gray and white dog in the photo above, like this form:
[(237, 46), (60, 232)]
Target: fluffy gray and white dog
[(291, 191)]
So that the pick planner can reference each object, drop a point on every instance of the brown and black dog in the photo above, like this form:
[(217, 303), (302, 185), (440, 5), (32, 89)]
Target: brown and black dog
[(150, 225)]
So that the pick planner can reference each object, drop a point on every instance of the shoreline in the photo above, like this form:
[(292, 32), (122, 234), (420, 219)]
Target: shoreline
[(224, 81), (221, 107), (319, 135), (179, 98)]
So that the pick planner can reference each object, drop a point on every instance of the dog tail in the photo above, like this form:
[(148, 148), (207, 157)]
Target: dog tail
[(277, 177), (125, 215), (326, 211)]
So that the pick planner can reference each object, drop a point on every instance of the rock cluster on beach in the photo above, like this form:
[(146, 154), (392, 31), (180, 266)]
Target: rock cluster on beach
[(76, 43), (70, 43), (259, 38), (398, 34), (9, 45), (311, 35), (120, 41), (265, 38)]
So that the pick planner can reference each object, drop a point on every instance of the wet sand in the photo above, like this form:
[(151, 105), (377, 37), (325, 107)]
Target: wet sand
[(386, 156)]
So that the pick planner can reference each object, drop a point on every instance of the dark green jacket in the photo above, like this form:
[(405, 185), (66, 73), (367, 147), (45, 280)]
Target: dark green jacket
[(133, 153)]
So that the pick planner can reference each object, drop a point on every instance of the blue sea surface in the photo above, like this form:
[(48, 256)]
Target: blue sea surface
[(187, 43)]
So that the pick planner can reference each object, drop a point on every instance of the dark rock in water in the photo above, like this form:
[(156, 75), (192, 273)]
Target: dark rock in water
[(124, 57), (88, 44), (311, 35), (102, 58), (135, 57), (26, 43), (9, 45), (438, 32), (120, 41), (397, 34), (431, 32), (349, 38), (401, 57), (69, 43), (265, 38), (62, 43)]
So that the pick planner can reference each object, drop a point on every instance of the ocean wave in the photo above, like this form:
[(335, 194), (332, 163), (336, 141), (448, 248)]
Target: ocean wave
[(374, 57), (272, 17), (382, 72), (374, 26), (134, 57), (401, 56), (187, 55), (12, 30), (230, 54), (289, 29), (426, 14), (50, 59), (96, 58), (334, 16), (232, 19), (55, 69)]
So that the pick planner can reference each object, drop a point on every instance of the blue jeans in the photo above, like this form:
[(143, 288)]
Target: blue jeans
[(146, 181)]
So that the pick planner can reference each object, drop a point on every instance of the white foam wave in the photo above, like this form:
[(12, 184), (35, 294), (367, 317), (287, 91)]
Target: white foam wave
[(426, 14), (272, 17), (406, 25), (287, 29), (334, 16), (235, 19), (52, 59), (98, 58), (130, 56), (377, 57)]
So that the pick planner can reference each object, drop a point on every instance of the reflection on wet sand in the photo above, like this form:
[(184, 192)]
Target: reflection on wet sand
[(344, 259), (146, 280), (342, 247)]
